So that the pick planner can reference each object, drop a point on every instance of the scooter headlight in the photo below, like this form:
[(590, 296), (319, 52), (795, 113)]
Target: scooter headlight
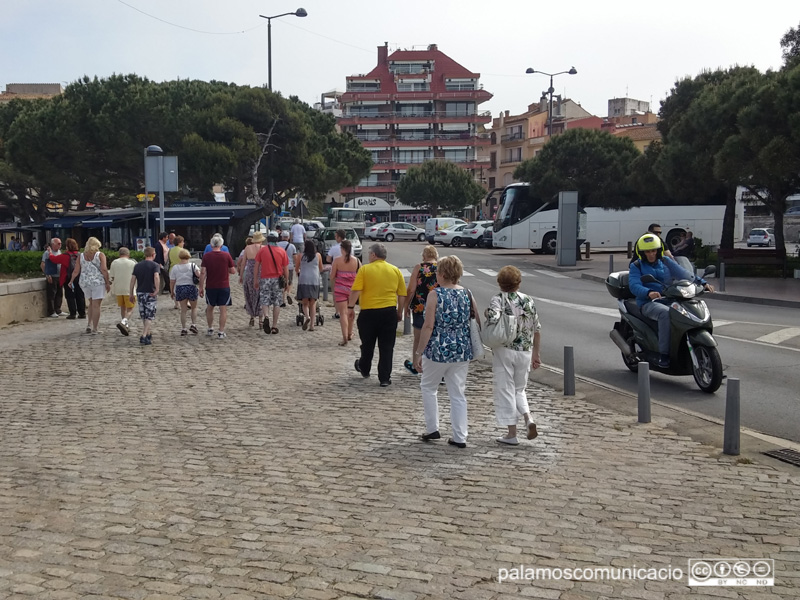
[(682, 310), (679, 307)]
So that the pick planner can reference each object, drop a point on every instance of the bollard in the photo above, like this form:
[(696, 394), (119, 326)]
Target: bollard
[(644, 392), (610, 263), (325, 281), (721, 277), (730, 444), (630, 250), (407, 325), (569, 371), (588, 251)]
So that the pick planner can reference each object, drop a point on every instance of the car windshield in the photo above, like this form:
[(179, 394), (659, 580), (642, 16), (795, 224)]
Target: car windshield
[(758, 232)]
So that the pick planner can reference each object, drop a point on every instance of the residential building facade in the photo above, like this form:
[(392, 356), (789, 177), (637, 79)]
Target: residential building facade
[(620, 107), (414, 106)]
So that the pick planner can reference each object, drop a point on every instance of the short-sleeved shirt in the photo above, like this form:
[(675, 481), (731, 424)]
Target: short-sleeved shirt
[(270, 269), (290, 252), (209, 249), (50, 268), (182, 274), (334, 252), (380, 284), (298, 233), (145, 273), (217, 266), (174, 259), (120, 274)]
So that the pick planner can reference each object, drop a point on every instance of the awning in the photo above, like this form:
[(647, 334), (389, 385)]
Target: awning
[(195, 218), (64, 222)]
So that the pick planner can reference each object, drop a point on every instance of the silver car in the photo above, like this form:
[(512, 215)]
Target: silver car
[(400, 231), (761, 236), (326, 237)]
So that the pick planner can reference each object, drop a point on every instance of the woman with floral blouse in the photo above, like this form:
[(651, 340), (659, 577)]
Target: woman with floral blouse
[(511, 364)]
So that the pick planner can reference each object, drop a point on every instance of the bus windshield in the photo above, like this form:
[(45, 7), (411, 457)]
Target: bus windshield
[(347, 215), (516, 203)]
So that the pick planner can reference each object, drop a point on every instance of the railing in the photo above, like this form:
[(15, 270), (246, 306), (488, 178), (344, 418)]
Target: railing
[(396, 114), (510, 137), (373, 138), (458, 87), (505, 161)]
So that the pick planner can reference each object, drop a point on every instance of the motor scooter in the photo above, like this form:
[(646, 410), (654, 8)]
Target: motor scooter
[(693, 349)]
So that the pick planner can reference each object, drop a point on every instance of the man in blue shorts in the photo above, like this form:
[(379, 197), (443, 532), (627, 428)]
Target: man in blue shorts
[(215, 272), (146, 279)]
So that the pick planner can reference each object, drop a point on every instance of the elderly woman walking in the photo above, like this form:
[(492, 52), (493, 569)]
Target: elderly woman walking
[(94, 280), (512, 363), (445, 350)]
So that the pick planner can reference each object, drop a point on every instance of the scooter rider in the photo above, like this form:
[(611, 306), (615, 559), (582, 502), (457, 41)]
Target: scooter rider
[(652, 262)]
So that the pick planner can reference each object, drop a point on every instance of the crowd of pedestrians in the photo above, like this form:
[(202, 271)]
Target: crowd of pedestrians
[(439, 307)]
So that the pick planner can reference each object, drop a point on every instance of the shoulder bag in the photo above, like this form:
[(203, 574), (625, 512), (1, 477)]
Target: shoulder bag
[(281, 278), (478, 353), (503, 331), (195, 276)]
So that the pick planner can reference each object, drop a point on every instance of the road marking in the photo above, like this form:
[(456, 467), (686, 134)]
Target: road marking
[(524, 274), (757, 343), (405, 272), (776, 337), (488, 272), (552, 274), (597, 310), (467, 274)]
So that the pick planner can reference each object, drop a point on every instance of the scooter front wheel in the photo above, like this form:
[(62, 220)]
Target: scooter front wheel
[(708, 373)]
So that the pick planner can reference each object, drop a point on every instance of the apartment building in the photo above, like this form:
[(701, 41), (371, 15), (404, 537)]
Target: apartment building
[(414, 106)]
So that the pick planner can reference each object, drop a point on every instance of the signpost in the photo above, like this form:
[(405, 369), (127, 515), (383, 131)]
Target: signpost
[(160, 173)]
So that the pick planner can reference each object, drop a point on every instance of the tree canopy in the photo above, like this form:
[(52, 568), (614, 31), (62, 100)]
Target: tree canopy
[(439, 185), (790, 45)]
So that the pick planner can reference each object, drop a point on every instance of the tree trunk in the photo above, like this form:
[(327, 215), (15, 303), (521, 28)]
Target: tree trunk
[(729, 222), (777, 213), (238, 229)]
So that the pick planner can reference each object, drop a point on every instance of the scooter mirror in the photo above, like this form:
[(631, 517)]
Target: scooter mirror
[(709, 270)]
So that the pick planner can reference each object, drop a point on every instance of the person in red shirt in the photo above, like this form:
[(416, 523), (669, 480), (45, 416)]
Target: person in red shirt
[(215, 272), (271, 263), (74, 293)]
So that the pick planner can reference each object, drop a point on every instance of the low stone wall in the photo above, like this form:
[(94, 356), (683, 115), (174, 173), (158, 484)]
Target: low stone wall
[(22, 301)]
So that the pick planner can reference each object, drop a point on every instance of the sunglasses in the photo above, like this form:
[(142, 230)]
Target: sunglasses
[(657, 232)]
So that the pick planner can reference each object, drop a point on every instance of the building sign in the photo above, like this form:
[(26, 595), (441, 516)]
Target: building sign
[(374, 203)]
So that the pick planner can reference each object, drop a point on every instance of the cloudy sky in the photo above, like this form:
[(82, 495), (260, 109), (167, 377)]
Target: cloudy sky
[(629, 49)]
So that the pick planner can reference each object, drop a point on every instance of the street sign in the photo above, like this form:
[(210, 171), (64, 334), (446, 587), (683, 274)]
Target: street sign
[(150, 197)]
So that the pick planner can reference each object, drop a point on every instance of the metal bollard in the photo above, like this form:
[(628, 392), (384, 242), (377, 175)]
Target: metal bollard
[(630, 250), (407, 325), (325, 282), (569, 371), (730, 444), (610, 263), (644, 392), (721, 277), (588, 251)]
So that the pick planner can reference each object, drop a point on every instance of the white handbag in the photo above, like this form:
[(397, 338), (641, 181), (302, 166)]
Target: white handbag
[(503, 331)]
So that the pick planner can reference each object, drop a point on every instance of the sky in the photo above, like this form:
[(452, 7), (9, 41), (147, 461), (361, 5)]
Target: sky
[(634, 50)]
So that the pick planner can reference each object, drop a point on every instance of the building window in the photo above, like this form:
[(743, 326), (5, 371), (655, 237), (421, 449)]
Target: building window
[(457, 155), (363, 86), (491, 183), (416, 86), (459, 109), (413, 156)]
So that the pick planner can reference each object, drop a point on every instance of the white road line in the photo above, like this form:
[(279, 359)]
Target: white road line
[(405, 272), (488, 272), (776, 337), (735, 339), (552, 274), (467, 274), (524, 274), (597, 310)]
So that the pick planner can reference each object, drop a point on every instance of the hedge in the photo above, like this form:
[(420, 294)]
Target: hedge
[(28, 263)]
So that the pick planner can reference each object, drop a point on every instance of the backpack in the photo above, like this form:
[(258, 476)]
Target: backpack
[(73, 260)]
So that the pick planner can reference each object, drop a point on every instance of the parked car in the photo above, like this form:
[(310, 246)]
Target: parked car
[(371, 231), (761, 237), (452, 236), (400, 231), (325, 237), (436, 224), (473, 233), (794, 210)]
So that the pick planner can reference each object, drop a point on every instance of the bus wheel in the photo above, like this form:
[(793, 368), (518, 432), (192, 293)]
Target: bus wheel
[(549, 243)]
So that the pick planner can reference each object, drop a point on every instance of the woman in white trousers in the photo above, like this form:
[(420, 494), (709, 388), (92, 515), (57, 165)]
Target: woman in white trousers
[(444, 351), (512, 363)]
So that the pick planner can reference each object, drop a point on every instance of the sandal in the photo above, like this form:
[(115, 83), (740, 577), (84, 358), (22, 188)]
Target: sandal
[(266, 326), (343, 343), (274, 330), (306, 322)]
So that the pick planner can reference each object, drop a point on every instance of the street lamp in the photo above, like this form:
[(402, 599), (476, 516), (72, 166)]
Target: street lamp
[(300, 12), (550, 91)]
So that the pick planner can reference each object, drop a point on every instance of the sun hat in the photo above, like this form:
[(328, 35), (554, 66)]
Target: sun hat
[(258, 237)]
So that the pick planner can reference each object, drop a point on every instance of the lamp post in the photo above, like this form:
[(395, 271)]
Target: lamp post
[(550, 91), (300, 12)]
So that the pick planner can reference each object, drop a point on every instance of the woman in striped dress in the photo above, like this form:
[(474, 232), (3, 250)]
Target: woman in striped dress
[(343, 274)]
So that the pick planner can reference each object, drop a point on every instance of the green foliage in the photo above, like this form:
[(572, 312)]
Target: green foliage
[(439, 185), (594, 163), (790, 45), (29, 263)]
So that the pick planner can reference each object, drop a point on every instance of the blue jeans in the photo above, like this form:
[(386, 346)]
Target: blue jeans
[(659, 312)]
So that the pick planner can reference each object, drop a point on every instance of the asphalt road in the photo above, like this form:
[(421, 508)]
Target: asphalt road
[(755, 342)]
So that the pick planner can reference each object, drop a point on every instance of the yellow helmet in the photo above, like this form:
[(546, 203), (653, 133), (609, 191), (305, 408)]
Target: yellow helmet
[(649, 241)]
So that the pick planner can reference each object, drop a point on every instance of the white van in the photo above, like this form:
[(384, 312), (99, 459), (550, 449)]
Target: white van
[(435, 224)]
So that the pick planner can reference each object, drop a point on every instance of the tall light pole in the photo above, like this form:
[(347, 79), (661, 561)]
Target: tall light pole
[(550, 91), (300, 12)]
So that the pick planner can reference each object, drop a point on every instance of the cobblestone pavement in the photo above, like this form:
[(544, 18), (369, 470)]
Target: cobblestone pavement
[(265, 467)]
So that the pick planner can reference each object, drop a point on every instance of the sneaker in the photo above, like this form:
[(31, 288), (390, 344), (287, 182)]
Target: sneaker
[(386, 383), (508, 441), (358, 368), (81, 316), (72, 317), (123, 328), (61, 314), (54, 316), (335, 315), (143, 340), (148, 341), (209, 332), (96, 332), (124, 322), (193, 329), (184, 332), (149, 338), (88, 330), (452, 442), (221, 335), (663, 361)]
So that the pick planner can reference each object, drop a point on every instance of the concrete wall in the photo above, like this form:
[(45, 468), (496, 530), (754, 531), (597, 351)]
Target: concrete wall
[(22, 301)]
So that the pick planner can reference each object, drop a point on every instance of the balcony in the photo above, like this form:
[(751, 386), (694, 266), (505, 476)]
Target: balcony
[(477, 95), (506, 161), (512, 137)]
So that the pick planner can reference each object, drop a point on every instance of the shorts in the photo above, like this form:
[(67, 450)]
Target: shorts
[(185, 292), (124, 301), (147, 306), (269, 293), (95, 292), (417, 320), (218, 296)]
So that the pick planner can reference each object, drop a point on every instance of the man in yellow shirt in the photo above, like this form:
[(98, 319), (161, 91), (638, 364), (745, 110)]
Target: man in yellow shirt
[(380, 286)]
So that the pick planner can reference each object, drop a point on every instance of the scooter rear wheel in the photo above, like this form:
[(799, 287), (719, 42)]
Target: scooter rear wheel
[(708, 374)]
